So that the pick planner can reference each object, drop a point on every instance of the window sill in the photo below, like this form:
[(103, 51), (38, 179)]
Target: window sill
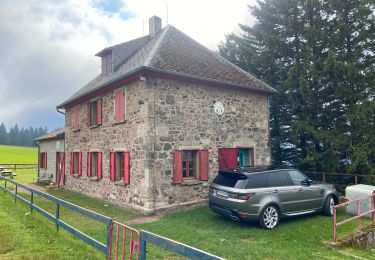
[(93, 126), (76, 130), (191, 182), (119, 123), (94, 178), (120, 183), (75, 175)]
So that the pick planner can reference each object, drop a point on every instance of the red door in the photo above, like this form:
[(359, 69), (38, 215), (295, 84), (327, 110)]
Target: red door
[(60, 168)]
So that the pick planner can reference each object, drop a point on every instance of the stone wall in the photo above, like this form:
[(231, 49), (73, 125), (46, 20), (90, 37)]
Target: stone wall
[(185, 118), (164, 115), (131, 135), (50, 147)]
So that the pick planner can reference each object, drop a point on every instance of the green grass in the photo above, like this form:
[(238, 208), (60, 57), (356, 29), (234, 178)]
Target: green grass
[(298, 238), (18, 154)]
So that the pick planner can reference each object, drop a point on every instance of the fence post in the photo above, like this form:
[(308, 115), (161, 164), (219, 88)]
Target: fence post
[(15, 166), (372, 208), (324, 177), (31, 202), (57, 216), (5, 186), (15, 194), (109, 240), (142, 247), (334, 225), (358, 213)]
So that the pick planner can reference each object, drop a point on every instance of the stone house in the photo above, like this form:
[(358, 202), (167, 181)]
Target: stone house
[(51, 157), (152, 130)]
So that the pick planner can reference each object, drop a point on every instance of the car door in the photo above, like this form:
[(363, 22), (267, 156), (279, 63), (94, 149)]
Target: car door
[(309, 197), (282, 191)]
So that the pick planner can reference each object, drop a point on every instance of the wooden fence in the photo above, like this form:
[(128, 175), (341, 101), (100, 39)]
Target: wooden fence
[(17, 166)]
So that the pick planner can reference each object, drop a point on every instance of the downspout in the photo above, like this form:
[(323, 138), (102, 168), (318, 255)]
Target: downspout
[(154, 151), (64, 141), (37, 143)]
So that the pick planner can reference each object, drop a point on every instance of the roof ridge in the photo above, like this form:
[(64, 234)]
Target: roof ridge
[(156, 46)]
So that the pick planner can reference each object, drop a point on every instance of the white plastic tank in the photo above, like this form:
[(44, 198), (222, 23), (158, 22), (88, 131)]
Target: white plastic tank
[(357, 191)]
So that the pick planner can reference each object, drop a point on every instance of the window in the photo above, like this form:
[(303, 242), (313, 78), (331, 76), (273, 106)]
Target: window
[(278, 179), (257, 181), (43, 160), (120, 167), (297, 177), (94, 164), (231, 158), (190, 164), (76, 163), (76, 119), (94, 112), (120, 106), (107, 64)]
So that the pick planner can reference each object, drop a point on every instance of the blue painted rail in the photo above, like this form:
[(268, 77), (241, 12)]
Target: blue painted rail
[(173, 246), (105, 248)]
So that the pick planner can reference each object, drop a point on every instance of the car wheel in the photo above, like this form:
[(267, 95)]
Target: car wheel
[(328, 206), (269, 218)]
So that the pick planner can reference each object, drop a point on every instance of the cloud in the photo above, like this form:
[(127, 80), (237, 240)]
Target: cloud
[(47, 47)]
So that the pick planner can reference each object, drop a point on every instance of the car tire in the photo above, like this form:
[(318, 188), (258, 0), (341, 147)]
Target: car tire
[(328, 206), (269, 217)]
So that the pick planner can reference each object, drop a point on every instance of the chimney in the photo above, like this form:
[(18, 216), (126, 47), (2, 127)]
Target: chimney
[(154, 25)]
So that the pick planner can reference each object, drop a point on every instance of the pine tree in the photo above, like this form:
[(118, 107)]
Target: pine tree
[(319, 55), (3, 134)]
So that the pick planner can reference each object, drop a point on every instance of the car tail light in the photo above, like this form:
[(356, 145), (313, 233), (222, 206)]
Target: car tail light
[(245, 196)]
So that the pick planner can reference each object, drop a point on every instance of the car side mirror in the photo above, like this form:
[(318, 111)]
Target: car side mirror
[(306, 182)]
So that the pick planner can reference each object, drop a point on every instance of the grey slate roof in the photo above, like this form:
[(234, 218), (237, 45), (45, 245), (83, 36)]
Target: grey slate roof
[(170, 51), (57, 134)]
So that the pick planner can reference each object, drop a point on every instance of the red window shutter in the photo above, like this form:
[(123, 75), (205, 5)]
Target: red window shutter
[(71, 162), (99, 104), (99, 165), (228, 158), (252, 163), (41, 160), (121, 106), (203, 165), (89, 170), (112, 166), (79, 163), (45, 161), (127, 167), (177, 166), (88, 115)]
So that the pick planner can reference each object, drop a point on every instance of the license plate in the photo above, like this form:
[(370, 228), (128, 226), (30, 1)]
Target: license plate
[(222, 193)]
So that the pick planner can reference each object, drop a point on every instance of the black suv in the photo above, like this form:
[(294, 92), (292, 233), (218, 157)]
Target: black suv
[(269, 195)]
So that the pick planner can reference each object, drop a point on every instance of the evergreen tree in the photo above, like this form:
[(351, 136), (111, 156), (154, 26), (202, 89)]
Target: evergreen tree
[(3, 134), (319, 56)]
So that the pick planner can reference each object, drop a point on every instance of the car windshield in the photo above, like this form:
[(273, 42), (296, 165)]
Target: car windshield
[(230, 179)]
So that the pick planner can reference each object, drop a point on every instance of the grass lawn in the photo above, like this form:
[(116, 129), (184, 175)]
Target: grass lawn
[(298, 238), (18, 154)]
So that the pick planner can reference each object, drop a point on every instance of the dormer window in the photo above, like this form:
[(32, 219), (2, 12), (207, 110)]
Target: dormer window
[(107, 64)]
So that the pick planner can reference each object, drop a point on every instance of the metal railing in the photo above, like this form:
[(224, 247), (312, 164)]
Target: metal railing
[(125, 237), (105, 248), (358, 216), (172, 246)]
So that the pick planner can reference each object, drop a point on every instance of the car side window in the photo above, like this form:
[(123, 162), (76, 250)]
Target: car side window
[(296, 177), (278, 179), (257, 181)]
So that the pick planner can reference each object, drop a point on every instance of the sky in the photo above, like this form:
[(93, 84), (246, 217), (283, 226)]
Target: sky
[(48, 47)]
